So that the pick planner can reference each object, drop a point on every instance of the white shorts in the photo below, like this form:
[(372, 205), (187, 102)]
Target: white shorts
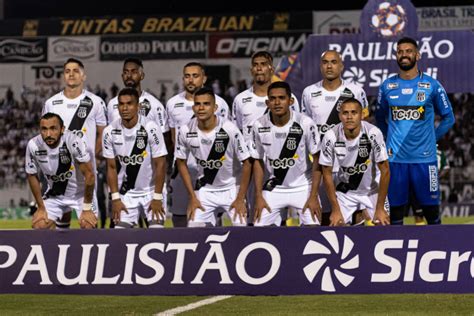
[(137, 204), (212, 202), (280, 199), (56, 207), (351, 202)]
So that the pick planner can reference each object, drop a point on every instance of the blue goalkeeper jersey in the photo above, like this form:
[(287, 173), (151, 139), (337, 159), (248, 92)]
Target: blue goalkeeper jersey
[(406, 115)]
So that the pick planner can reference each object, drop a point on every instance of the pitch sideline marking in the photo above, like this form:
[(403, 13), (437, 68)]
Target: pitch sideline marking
[(185, 308)]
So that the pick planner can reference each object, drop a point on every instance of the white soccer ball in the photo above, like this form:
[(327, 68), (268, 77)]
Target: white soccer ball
[(389, 19)]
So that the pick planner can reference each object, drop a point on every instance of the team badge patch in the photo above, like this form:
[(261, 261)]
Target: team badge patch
[(219, 146), (140, 143), (82, 112), (421, 96), (291, 144)]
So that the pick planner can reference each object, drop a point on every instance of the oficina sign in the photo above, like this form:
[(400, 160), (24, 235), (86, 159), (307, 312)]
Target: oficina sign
[(247, 261)]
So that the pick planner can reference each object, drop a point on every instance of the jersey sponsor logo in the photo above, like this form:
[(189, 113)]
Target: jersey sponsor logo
[(356, 169), (246, 100), (316, 94), (191, 135), (407, 113), (420, 96), (296, 130), (283, 163), (60, 177), (178, 105), (116, 132), (86, 102), (424, 85), (261, 104), (156, 139), (280, 135), (206, 141), (56, 102), (329, 98), (325, 127), (132, 160), (394, 97), (392, 85), (347, 93), (41, 153), (407, 91), (222, 135), (115, 106), (264, 129), (141, 132), (210, 164), (71, 106), (377, 146)]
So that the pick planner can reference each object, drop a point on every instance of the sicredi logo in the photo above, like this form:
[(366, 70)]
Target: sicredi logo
[(330, 273)]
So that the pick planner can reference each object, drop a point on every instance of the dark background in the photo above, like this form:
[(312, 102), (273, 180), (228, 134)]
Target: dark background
[(17, 9)]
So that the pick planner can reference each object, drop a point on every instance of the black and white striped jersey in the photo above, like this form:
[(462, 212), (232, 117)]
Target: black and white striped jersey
[(133, 150), (59, 165), (218, 153), (357, 158), (150, 107)]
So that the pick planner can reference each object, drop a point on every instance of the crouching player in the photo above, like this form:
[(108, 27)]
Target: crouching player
[(63, 159), (362, 180), (285, 139), (223, 163), (136, 165)]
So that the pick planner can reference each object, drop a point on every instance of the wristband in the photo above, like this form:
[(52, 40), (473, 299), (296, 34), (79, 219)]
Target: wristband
[(115, 196), (87, 206), (158, 196)]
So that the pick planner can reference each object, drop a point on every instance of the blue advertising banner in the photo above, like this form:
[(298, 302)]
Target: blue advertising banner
[(446, 56), (245, 261)]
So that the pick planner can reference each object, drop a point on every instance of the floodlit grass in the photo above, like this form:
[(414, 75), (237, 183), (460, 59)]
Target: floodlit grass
[(379, 304)]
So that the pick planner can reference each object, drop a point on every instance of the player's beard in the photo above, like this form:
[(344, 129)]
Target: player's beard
[(131, 84), (406, 67)]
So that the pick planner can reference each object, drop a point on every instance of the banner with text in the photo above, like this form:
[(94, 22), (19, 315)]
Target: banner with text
[(246, 261), (153, 47), (14, 50)]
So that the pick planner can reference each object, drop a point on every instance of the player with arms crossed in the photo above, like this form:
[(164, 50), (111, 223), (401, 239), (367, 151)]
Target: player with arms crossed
[(358, 148), (406, 108), (223, 163), (63, 159), (136, 164), (285, 139)]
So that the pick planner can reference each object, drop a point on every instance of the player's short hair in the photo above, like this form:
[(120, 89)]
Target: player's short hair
[(74, 60), (133, 60), (407, 40), (195, 64), (129, 91), (50, 115), (330, 50), (352, 100), (264, 54), (280, 84), (204, 91)]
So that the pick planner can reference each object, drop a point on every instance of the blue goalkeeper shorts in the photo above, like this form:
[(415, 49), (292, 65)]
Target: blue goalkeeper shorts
[(419, 178)]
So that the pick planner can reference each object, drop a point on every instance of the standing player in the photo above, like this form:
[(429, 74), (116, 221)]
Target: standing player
[(136, 164), (322, 100), (83, 113), (220, 152), (65, 162), (250, 105), (180, 111), (150, 107), (285, 139), (357, 147), (406, 109)]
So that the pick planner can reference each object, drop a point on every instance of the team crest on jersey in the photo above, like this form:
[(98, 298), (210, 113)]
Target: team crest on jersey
[(64, 159), (392, 85), (246, 100), (140, 143), (316, 94), (363, 152), (291, 143), (425, 85), (82, 112), (420, 96), (56, 102), (219, 146)]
